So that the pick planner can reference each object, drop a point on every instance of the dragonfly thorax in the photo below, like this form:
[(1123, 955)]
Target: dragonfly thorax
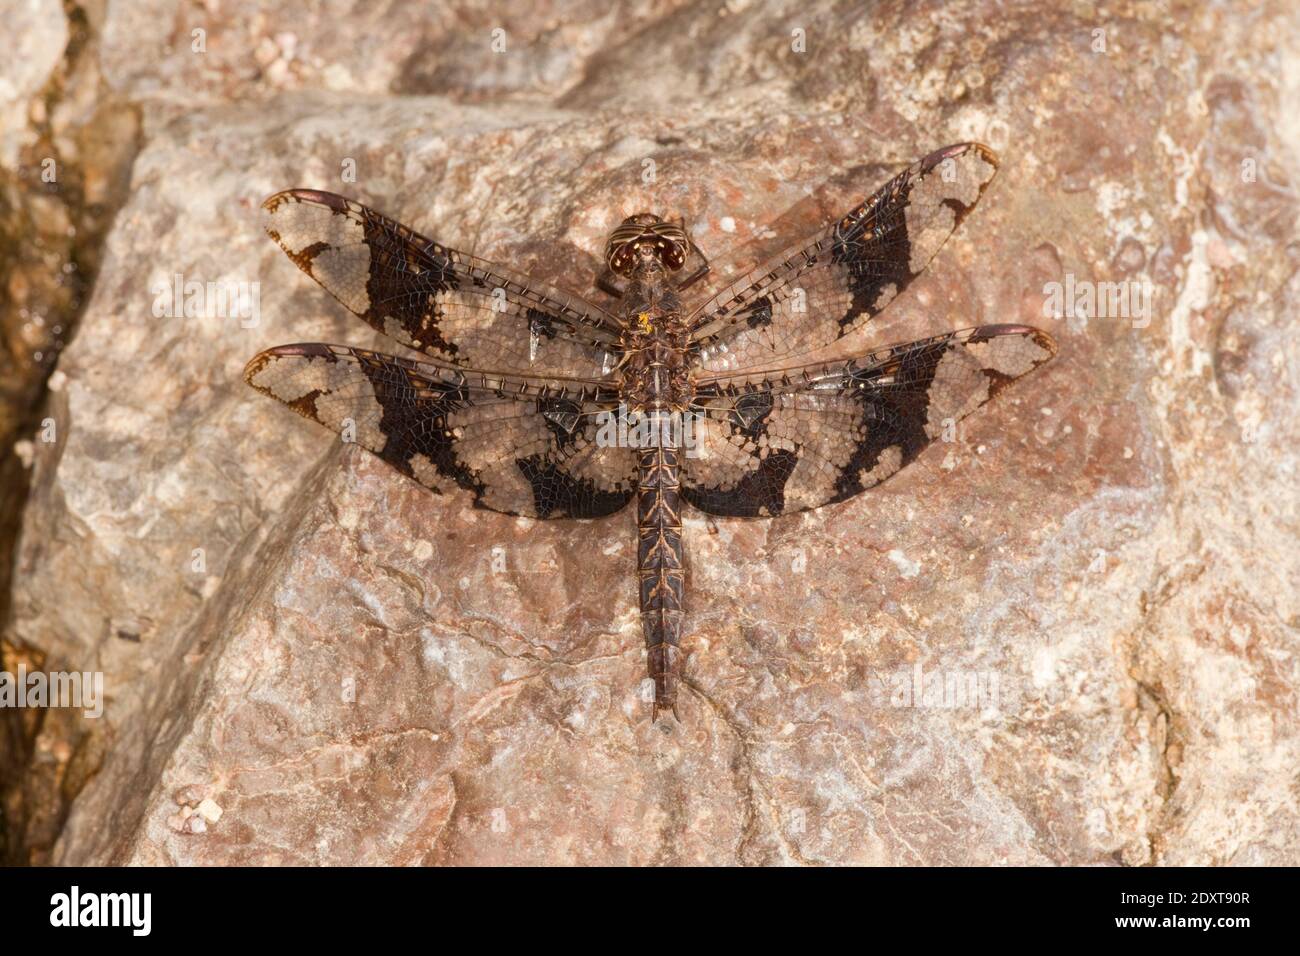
[(655, 341)]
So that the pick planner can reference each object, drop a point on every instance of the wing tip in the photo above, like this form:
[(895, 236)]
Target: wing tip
[(986, 153), (1042, 339), (262, 358), (1046, 341), (956, 150), (318, 197), (255, 365)]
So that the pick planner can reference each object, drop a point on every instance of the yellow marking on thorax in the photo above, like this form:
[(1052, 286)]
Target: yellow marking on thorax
[(643, 323)]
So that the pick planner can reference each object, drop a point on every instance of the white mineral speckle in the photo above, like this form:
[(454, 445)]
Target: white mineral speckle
[(906, 566)]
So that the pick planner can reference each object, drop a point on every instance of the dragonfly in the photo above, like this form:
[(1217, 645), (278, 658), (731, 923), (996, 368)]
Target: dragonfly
[(532, 401)]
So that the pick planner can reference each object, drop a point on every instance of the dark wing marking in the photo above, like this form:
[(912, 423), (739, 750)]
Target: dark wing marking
[(834, 282), (520, 446), (788, 441), (454, 307)]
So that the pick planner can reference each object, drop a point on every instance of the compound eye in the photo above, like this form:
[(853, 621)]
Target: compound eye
[(671, 243), (645, 236), (617, 258)]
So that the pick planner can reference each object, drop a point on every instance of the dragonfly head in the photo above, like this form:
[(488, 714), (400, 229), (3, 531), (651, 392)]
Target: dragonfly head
[(645, 239)]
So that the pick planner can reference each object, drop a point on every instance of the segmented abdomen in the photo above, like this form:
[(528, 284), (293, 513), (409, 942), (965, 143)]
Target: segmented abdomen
[(659, 569)]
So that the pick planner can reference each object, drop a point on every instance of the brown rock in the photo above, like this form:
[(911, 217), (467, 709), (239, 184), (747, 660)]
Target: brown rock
[(356, 671)]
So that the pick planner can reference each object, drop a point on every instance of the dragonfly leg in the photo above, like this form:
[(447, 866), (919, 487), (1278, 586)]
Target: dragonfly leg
[(606, 283), (698, 274)]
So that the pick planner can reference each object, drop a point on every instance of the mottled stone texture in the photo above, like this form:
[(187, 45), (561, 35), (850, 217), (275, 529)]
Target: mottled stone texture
[(66, 145), (355, 671)]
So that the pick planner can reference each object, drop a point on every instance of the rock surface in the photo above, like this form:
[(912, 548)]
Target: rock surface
[(309, 659)]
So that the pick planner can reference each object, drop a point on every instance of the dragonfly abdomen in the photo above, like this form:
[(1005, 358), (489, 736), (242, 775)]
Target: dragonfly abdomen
[(660, 570)]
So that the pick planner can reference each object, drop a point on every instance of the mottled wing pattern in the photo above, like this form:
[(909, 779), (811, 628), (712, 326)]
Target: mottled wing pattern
[(789, 441), (452, 306), (520, 446), (836, 281)]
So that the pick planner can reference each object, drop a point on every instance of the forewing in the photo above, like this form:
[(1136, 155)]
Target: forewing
[(519, 446), (785, 442), (836, 281), (451, 306)]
